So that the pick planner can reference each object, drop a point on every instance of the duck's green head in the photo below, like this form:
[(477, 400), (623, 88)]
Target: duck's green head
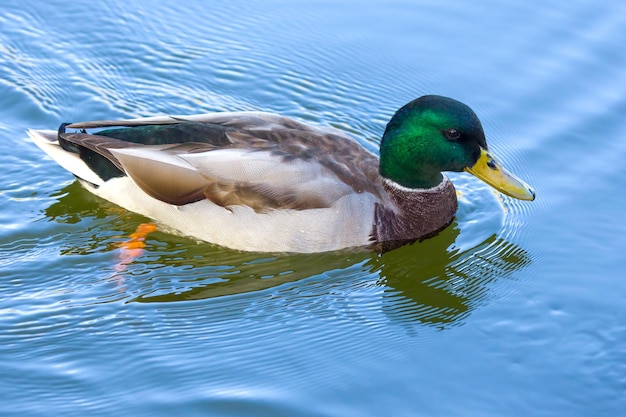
[(433, 134)]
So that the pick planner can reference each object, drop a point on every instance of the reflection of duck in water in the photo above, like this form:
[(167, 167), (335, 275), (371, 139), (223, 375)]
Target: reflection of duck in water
[(262, 182), (429, 282), (446, 284)]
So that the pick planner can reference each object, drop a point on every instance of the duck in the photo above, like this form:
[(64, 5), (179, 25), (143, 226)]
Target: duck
[(263, 182)]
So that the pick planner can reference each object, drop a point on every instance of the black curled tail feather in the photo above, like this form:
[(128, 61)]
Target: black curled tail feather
[(103, 166), (65, 144)]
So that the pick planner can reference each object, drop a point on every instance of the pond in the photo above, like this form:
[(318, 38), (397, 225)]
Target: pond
[(516, 309)]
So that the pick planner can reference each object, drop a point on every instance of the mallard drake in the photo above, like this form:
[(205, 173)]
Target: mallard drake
[(262, 182)]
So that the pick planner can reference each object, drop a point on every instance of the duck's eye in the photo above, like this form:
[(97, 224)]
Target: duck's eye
[(453, 134)]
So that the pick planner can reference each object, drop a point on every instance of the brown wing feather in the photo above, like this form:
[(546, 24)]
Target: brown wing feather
[(233, 194), (348, 160)]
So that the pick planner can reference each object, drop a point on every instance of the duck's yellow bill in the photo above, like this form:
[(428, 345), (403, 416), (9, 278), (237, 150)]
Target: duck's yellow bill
[(490, 171)]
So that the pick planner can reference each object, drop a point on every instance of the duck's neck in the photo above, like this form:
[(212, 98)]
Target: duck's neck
[(412, 215)]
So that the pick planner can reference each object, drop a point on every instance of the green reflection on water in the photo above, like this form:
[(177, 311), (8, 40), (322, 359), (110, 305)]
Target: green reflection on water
[(436, 284)]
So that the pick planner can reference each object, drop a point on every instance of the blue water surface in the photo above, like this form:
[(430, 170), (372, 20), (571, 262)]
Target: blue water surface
[(517, 309)]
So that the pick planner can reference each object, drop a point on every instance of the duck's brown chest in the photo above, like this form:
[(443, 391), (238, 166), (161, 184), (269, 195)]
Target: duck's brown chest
[(412, 215)]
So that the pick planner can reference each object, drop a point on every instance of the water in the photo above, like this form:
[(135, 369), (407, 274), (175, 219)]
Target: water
[(517, 309)]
